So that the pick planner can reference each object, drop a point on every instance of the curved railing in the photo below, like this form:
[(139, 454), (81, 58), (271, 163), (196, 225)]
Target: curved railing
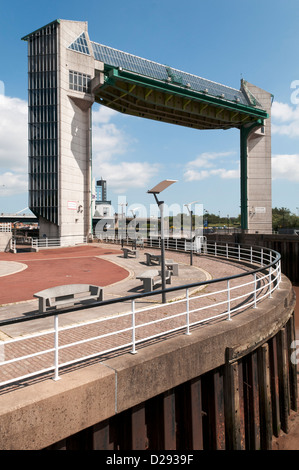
[(138, 320)]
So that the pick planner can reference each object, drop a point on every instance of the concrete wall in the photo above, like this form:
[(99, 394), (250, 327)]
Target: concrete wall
[(259, 175), (75, 136), (4, 240), (48, 412), (75, 139)]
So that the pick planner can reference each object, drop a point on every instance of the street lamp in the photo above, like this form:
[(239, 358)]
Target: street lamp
[(123, 223), (133, 212), (134, 244), (157, 190), (191, 237)]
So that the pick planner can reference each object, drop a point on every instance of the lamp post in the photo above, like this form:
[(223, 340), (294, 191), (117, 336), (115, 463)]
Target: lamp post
[(134, 244), (191, 237), (123, 223), (157, 190)]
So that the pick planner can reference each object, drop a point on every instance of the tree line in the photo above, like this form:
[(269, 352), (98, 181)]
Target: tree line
[(281, 218)]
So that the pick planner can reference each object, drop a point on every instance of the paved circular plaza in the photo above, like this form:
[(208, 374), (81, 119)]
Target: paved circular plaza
[(23, 274)]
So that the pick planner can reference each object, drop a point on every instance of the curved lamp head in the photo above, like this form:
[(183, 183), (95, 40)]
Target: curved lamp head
[(161, 186)]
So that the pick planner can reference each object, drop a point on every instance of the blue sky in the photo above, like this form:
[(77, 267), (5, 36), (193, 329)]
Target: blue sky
[(222, 41)]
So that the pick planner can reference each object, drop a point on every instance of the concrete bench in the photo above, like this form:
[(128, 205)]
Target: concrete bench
[(67, 295), (139, 242), (129, 251), (172, 266), (153, 277), (150, 258)]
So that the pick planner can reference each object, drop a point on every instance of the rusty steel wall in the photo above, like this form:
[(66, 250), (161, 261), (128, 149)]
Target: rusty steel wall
[(240, 405)]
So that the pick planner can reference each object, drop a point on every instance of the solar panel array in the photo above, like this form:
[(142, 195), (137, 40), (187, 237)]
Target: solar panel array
[(157, 71), (80, 44)]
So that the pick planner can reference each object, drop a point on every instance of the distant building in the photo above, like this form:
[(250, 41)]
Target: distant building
[(103, 207)]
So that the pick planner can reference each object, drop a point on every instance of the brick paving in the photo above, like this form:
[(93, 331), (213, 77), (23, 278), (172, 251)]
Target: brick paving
[(111, 318)]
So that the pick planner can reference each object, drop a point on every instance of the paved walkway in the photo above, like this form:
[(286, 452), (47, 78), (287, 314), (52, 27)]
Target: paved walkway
[(22, 274), (105, 266), (152, 317)]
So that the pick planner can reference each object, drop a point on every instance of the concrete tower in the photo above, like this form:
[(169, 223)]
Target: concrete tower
[(60, 71), (256, 174)]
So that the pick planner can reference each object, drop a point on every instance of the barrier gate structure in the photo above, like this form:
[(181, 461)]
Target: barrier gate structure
[(68, 73)]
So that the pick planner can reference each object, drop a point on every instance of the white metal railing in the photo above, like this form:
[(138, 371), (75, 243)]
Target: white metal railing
[(199, 244), (5, 227), (57, 242), (221, 298)]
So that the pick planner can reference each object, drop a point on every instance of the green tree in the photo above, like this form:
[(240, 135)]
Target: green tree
[(283, 218)]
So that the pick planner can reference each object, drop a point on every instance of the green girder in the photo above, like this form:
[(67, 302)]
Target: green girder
[(138, 95)]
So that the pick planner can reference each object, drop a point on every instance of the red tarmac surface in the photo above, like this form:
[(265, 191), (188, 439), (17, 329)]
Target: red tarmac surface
[(53, 267)]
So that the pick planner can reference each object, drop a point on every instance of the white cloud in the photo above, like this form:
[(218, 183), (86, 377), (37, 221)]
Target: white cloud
[(282, 111), (128, 175), (102, 115), (228, 174), (205, 160), (193, 175), (13, 183), (285, 167), (13, 133), (13, 146), (287, 118), (289, 130), (109, 143), (206, 163)]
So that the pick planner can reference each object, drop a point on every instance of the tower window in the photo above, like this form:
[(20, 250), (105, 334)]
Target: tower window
[(79, 81)]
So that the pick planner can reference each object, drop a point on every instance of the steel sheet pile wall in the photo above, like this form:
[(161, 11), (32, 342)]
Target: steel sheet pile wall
[(240, 405)]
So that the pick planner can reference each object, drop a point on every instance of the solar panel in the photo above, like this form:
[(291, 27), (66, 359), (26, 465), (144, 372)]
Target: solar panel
[(158, 71), (80, 44)]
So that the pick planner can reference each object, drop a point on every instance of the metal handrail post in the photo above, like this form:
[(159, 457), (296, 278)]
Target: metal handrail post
[(228, 300), (270, 281), (133, 329), (255, 291), (187, 313), (56, 349)]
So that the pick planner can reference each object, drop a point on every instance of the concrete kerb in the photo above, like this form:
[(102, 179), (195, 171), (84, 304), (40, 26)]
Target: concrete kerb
[(11, 267)]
